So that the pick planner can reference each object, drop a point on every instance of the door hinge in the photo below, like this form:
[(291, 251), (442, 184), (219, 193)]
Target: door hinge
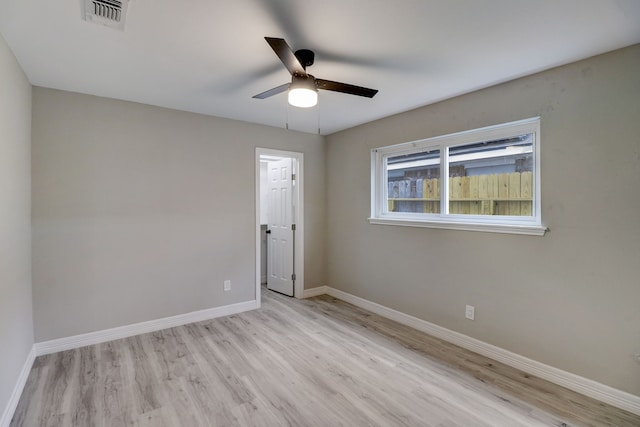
[(293, 227), (293, 277), (293, 177)]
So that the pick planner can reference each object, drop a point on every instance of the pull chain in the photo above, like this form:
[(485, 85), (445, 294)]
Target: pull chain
[(287, 116), (318, 106)]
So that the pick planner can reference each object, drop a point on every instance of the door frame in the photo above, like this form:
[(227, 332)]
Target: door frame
[(297, 198)]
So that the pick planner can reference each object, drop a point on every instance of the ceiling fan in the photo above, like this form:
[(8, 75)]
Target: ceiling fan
[(303, 89)]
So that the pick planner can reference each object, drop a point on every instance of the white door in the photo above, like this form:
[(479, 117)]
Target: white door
[(281, 234)]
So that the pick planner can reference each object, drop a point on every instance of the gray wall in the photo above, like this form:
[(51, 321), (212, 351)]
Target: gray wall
[(141, 212), (570, 299), (16, 324)]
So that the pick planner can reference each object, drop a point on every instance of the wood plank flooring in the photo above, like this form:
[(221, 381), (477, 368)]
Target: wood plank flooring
[(317, 362)]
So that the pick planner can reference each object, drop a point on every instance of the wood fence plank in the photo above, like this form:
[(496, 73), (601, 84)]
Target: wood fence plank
[(455, 189), (428, 194), (483, 186), (483, 195), (526, 191), (514, 193), (503, 193), (474, 191), (425, 194), (465, 191), (436, 193), (493, 192)]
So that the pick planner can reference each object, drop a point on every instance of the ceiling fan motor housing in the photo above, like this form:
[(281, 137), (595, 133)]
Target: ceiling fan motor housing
[(306, 57)]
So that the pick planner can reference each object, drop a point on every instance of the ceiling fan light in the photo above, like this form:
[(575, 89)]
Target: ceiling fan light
[(303, 98), (303, 92)]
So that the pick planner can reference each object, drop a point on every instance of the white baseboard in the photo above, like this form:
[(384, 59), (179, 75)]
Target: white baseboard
[(10, 409), (585, 386), (76, 341), (314, 292)]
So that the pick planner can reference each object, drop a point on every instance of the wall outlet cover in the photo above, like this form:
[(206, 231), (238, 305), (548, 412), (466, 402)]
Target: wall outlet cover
[(470, 312)]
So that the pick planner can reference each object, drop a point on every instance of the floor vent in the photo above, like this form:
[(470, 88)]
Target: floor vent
[(110, 13)]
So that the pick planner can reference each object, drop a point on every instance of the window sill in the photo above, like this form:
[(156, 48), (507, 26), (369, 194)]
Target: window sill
[(531, 230)]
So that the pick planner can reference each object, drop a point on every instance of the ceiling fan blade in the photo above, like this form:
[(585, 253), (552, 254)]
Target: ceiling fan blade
[(286, 55), (271, 92), (345, 88)]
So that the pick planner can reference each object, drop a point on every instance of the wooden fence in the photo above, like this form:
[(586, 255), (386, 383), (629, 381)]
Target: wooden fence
[(496, 194)]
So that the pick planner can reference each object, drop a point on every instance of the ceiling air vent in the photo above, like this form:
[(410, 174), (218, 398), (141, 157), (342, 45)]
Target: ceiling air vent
[(111, 13)]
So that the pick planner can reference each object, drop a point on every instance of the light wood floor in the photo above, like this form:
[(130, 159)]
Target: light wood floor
[(317, 362)]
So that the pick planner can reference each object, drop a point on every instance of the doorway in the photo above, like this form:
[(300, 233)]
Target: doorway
[(279, 222)]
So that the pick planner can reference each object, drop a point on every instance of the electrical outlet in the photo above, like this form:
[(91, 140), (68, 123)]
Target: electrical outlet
[(637, 357), (227, 285), (470, 312)]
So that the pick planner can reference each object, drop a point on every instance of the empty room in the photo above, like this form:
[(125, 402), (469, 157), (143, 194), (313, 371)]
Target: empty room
[(292, 213)]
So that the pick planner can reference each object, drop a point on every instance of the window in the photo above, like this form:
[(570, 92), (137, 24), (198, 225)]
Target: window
[(492, 181)]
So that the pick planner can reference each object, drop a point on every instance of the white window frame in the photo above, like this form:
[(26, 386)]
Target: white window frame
[(531, 225)]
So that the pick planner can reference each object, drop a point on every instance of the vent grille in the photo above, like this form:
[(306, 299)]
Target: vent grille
[(111, 10), (111, 13)]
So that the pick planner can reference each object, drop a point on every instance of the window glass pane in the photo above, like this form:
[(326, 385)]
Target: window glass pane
[(492, 177), (413, 182)]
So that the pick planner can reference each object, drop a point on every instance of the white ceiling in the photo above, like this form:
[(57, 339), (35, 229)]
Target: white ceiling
[(210, 56)]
